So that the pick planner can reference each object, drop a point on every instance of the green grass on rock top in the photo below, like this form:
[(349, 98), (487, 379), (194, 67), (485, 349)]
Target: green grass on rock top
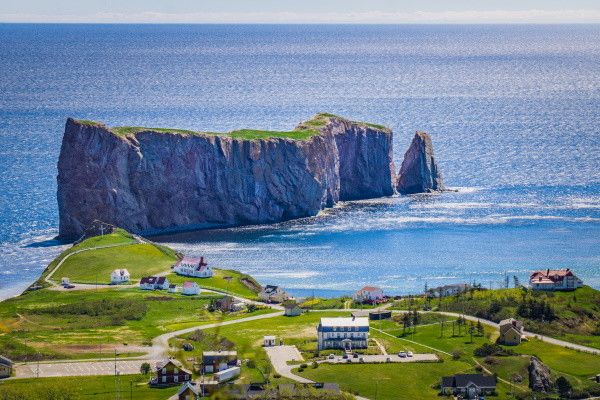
[(304, 131)]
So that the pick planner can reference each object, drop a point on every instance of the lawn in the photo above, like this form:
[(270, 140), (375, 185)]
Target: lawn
[(95, 266), (224, 280), (83, 388), (388, 381), (62, 325)]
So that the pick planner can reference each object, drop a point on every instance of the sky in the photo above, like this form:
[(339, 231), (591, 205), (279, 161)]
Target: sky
[(301, 11)]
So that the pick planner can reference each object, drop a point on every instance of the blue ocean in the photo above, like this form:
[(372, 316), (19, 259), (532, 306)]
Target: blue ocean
[(513, 110)]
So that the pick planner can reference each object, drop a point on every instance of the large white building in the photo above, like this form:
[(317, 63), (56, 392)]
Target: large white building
[(195, 267), (119, 276), (345, 333), (449, 290), (555, 279)]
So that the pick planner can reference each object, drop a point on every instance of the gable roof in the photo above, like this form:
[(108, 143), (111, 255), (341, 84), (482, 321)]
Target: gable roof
[(550, 275), (5, 361), (189, 284), (345, 321), (370, 289), (188, 385), (198, 263), (463, 380), (163, 363)]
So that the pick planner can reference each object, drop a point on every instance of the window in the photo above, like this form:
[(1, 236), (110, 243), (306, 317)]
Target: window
[(175, 378)]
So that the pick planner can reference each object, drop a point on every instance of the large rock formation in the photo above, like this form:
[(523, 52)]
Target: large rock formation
[(540, 379), (155, 180), (419, 172)]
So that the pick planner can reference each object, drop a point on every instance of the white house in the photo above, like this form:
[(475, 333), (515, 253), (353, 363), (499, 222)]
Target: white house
[(190, 288), (195, 267), (154, 283), (269, 341), (555, 279), (119, 276), (345, 333), (368, 294), (273, 294)]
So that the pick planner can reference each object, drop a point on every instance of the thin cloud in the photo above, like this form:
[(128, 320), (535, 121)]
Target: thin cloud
[(371, 17)]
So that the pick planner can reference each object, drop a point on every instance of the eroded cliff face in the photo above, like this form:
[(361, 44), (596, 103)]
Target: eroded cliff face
[(150, 182), (419, 172)]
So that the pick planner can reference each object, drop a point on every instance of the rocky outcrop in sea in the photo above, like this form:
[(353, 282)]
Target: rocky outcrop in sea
[(419, 172), (157, 180)]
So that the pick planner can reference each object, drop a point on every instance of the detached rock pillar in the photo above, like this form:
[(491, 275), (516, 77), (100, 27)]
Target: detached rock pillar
[(419, 172)]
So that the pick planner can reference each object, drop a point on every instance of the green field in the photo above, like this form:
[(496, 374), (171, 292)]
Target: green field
[(388, 381), (66, 325), (83, 388), (95, 265), (573, 314)]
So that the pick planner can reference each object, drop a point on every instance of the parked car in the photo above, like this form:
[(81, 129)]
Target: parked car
[(388, 360), (402, 354), (409, 354), (361, 360), (345, 356), (69, 286), (355, 355), (331, 356)]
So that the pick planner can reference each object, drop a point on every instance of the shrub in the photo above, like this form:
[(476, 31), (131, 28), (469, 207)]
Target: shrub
[(456, 354), (145, 368), (251, 364), (303, 366), (488, 349), (276, 375), (315, 364), (563, 386)]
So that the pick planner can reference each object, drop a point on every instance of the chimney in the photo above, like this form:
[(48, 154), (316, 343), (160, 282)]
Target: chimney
[(548, 272)]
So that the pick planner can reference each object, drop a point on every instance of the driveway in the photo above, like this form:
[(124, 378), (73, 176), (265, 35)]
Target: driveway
[(280, 355)]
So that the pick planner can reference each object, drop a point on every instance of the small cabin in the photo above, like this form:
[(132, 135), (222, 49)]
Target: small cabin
[(269, 341)]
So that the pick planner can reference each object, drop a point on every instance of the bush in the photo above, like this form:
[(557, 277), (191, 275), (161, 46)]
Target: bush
[(145, 368), (276, 375), (303, 366), (563, 386), (456, 354), (315, 365), (251, 364), (478, 368), (487, 349)]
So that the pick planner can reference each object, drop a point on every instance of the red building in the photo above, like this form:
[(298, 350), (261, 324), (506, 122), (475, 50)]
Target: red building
[(170, 372)]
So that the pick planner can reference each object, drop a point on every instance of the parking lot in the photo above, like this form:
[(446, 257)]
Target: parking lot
[(83, 368), (381, 358)]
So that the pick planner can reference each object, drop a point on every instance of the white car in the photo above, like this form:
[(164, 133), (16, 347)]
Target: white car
[(409, 354), (331, 356), (402, 354)]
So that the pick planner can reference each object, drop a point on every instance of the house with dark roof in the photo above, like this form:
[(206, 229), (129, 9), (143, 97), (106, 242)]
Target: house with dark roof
[(273, 294), (6, 367), (215, 361), (554, 279), (469, 386), (170, 372), (154, 283)]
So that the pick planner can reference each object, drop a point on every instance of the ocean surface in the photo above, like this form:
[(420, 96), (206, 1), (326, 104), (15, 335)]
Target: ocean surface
[(514, 112)]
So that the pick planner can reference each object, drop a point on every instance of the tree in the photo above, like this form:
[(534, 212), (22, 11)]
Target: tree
[(563, 386), (479, 328), (471, 330), (145, 368)]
